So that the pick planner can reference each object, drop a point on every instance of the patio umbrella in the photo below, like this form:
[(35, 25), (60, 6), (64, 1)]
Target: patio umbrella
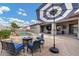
[(52, 12)]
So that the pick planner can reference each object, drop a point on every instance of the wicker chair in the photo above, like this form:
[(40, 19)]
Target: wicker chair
[(14, 48), (4, 45), (42, 41), (34, 46)]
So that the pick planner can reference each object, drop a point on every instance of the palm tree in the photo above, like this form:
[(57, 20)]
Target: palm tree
[(14, 26)]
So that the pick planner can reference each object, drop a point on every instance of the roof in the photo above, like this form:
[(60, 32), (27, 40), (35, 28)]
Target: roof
[(38, 23), (73, 17)]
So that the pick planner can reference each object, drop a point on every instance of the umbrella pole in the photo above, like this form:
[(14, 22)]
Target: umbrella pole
[(54, 34), (54, 49)]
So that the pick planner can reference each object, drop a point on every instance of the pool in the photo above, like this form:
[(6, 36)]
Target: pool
[(23, 33)]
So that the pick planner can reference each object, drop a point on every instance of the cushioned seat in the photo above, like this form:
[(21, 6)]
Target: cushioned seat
[(30, 45), (18, 46), (14, 48), (34, 46)]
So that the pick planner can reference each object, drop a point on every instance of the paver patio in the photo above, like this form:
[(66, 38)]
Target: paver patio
[(67, 45)]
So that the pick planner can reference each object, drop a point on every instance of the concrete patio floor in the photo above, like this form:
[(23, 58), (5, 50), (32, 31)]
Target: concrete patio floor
[(67, 45)]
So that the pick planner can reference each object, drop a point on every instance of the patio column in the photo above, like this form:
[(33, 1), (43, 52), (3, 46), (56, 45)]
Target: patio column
[(52, 30), (45, 30), (37, 29), (78, 29), (67, 30)]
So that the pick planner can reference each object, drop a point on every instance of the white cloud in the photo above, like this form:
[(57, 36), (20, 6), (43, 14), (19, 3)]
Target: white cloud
[(23, 23), (16, 20), (19, 13), (21, 10), (27, 22), (4, 9), (24, 14), (34, 21), (4, 23), (19, 22), (1, 12), (1, 19)]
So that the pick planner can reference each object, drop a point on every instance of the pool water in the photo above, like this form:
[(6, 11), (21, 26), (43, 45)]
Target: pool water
[(23, 33)]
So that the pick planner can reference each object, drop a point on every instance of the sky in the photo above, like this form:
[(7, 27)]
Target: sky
[(22, 13)]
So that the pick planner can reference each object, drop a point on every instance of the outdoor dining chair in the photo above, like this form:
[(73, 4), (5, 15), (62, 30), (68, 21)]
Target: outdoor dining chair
[(14, 48), (34, 46), (4, 45), (41, 40)]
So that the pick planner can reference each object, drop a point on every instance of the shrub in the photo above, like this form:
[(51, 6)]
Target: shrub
[(4, 34)]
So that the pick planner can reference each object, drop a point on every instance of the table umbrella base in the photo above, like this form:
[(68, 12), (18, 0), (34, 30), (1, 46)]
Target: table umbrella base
[(54, 50)]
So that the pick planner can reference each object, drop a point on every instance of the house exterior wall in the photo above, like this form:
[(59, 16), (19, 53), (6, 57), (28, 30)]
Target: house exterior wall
[(35, 28), (46, 28), (67, 24), (78, 29)]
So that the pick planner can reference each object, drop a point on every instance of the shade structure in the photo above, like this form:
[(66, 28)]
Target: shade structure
[(51, 12), (64, 10)]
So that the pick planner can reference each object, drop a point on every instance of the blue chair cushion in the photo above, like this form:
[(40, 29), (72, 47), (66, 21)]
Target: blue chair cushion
[(18, 46), (30, 45)]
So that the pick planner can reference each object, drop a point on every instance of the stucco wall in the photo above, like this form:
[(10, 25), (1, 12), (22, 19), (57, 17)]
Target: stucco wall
[(67, 25), (36, 28)]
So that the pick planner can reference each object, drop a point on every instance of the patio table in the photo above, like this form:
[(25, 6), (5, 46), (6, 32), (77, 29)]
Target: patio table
[(26, 40)]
